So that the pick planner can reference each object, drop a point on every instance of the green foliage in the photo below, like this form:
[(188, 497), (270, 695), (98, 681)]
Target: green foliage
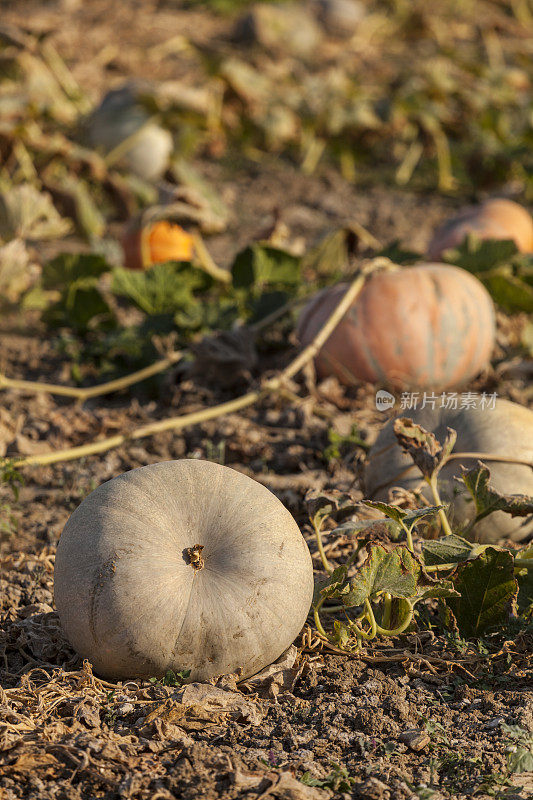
[(8, 523), (329, 258), (77, 279), (163, 288), (396, 572), (367, 529), (172, 678), (487, 500), (524, 576), (11, 476), (479, 587), (84, 294), (336, 505), (519, 757), (481, 255), (448, 550), (407, 519), (73, 268), (338, 780), (260, 265), (507, 274), (339, 444), (398, 254), (265, 278), (488, 590)]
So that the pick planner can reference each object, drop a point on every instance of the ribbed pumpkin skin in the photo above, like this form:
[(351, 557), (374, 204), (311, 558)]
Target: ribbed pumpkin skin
[(505, 430), (131, 603), (495, 219), (425, 327)]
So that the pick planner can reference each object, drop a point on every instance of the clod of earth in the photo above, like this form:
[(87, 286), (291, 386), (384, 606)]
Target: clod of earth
[(425, 327), (128, 599)]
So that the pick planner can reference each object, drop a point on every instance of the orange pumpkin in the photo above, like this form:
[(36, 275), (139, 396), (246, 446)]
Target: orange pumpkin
[(425, 327), (156, 243), (495, 219)]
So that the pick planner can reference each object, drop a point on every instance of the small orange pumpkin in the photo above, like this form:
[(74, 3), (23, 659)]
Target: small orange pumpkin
[(156, 243), (495, 219), (430, 326)]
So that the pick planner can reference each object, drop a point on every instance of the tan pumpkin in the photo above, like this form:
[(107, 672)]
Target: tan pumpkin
[(425, 327), (494, 219), (505, 430), (155, 243), (182, 565)]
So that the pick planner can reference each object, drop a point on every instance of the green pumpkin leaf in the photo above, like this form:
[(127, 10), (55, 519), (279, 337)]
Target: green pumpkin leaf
[(267, 303), (67, 268), (509, 290), (341, 634), (439, 591), (163, 289), (261, 265), (487, 500), (447, 550), (330, 256), (525, 582), (393, 512), (77, 276), (398, 254), (321, 504), (77, 307), (521, 760), (488, 590), (480, 255), (505, 272), (412, 517), (369, 527), (395, 572), (407, 519), (336, 585)]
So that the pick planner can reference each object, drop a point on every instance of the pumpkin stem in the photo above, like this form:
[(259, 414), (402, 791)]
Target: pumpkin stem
[(194, 554), (438, 502)]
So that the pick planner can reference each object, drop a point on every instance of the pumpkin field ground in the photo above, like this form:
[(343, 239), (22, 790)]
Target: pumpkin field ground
[(427, 715), (423, 717)]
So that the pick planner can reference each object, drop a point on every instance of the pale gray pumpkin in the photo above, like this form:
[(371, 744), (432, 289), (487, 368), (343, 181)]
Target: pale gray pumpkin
[(131, 601), (505, 430), (119, 117)]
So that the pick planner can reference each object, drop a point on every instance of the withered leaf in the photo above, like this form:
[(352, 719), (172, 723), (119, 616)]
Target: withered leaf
[(427, 452)]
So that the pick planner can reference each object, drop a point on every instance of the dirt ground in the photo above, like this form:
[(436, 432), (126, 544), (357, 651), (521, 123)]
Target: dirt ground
[(425, 716)]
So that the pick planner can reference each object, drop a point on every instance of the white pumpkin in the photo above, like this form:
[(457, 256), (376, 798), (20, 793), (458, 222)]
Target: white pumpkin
[(182, 565), (505, 430), (120, 118)]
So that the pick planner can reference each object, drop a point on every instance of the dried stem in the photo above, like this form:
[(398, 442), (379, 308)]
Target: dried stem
[(271, 386), (491, 457), (432, 482), (207, 263), (84, 393)]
